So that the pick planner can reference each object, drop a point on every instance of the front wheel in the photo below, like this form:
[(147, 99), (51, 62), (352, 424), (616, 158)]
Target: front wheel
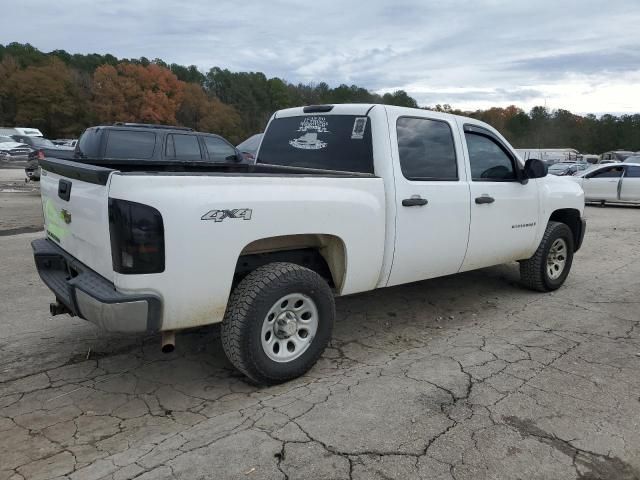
[(278, 322), (549, 267)]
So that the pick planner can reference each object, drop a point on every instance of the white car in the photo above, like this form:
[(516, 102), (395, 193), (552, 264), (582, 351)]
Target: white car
[(12, 150), (617, 182), (343, 199)]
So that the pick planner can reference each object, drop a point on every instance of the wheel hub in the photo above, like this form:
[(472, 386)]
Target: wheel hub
[(556, 258), (286, 325), (289, 327)]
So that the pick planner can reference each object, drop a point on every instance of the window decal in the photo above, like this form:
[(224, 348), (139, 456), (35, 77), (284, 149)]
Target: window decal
[(359, 125), (311, 126)]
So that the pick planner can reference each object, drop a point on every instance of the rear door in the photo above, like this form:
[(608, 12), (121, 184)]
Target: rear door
[(180, 146), (504, 212), (432, 198), (630, 188), (75, 207), (603, 184)]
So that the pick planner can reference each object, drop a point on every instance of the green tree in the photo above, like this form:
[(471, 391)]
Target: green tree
[(46, 97)]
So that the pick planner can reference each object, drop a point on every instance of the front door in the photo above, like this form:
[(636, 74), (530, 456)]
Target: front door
[(504, 212), (603, 184), (432, 199)]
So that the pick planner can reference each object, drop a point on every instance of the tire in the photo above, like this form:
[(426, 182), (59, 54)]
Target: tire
[(256, 313), (535, 272)]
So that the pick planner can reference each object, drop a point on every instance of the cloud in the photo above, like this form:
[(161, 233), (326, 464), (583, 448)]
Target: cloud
[(471, 54)]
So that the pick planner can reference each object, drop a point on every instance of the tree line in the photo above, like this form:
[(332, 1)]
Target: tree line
[(62, 93)]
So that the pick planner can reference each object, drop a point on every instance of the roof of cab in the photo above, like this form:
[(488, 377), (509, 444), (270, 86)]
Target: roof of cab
[(364, 109)]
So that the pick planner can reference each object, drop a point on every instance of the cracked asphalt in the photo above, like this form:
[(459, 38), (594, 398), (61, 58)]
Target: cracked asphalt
[(464, 377)]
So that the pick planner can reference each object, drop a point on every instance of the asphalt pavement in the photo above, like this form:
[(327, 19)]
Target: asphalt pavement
[(465, 377)]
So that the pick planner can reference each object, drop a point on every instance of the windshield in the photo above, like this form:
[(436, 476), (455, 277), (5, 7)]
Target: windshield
[(328, 142), (632, 159), (42, 142), (251, 144), (7, 140)]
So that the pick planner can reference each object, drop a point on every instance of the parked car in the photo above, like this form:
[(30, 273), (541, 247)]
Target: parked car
[(343, 199), (588, 158), (614, 156), (249, 147), (13, 151), (567, 168), (125, 143), (47, 147), (549, 155), (66, 142), (611, 183)]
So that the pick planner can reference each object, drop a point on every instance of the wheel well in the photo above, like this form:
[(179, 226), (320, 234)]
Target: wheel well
[(571, 218), (324, 254)]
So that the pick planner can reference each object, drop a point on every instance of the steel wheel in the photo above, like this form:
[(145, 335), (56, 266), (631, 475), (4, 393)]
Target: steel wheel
[(289, 327), (556, 258)]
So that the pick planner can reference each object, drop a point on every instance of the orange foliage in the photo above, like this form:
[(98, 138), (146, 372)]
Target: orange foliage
[(135, 93)]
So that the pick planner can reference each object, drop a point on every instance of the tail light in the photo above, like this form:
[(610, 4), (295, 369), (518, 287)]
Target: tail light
[(40, 155), (137, 237)]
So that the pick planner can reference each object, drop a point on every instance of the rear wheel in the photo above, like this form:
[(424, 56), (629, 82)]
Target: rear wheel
[(549, 267), (278, 322)]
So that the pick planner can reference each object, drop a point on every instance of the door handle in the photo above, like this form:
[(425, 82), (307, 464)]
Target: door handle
[(414, 202), (484, 199)]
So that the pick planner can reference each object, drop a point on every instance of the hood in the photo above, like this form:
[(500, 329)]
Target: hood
[(12, 145)]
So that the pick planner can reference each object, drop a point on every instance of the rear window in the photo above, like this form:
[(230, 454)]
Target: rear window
[(130, 144), (329, 142), (89, 143)]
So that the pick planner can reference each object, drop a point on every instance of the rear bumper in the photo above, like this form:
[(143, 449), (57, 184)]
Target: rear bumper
[(91, 296)]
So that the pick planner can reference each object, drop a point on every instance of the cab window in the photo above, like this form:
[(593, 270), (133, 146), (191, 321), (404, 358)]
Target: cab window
[(488, 160)]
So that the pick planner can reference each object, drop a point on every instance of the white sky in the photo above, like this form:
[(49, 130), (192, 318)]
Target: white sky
[(583, 56)]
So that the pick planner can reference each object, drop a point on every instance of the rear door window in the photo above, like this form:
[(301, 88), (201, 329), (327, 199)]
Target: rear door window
[(130, 144), (183, 147), (426, 149), (632, 172), (328, 142), (219, 150)]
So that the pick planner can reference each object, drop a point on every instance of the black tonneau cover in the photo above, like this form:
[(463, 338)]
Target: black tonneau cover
[(99, 172)]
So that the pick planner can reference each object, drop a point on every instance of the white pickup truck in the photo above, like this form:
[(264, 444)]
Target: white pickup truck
[(343, 199)]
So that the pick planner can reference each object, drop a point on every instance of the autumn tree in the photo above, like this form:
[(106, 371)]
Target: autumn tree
[(136, 93)]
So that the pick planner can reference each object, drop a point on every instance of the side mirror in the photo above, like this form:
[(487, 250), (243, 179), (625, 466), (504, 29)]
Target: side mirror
[(534, 168)]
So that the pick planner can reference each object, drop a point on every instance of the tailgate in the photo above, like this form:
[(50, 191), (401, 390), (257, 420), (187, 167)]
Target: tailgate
[(75, 207)]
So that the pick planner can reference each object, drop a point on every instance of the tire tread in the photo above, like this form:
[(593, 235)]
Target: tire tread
[(238, 317), (532, 270)]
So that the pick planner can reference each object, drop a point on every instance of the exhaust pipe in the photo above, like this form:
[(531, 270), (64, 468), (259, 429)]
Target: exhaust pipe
[(168, 341), (58, 308)]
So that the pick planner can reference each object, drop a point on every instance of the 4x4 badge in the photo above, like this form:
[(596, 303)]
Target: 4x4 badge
[(220, 215)]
